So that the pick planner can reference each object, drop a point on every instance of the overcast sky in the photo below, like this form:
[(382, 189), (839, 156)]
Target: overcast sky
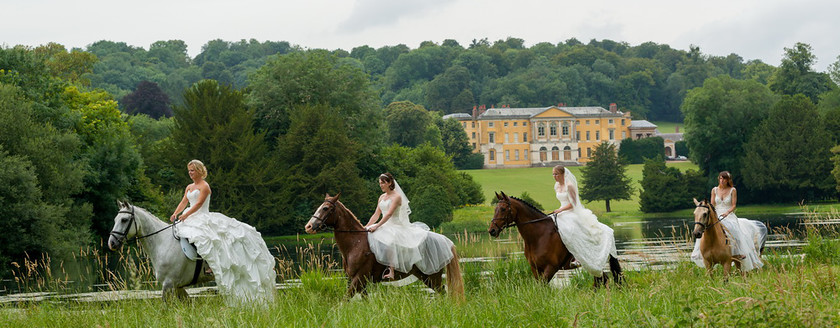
[(753, 29)]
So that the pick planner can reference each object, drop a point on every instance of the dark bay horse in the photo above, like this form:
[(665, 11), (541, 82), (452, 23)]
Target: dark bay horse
[(360, 264), (544, 248), (714, 246)]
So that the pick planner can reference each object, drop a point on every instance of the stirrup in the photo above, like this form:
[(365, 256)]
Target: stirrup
[(189, 250), (385, 274)]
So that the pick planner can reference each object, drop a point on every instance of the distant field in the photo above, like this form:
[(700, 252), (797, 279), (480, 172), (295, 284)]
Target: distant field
[(669, 127), (539, 183)]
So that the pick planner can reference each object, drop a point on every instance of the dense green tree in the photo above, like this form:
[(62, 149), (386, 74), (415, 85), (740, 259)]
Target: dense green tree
[(720, 116), (407, 123), (758, 71), (313, 78), (215, 126), (430, 205), (796, 74), (316, 156), (147, 99), (71, 66), (456, 142), (40, 175), (443, 90), (666, 189), (836, 170), (636, 151), (787, 158), (605, 176)]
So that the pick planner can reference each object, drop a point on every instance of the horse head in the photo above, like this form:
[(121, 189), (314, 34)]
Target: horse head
[(324, 215), (125, 225), (504, 215), (703, 213)]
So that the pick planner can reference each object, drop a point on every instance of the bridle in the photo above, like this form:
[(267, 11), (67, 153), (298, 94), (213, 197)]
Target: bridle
[(322, 221), (708, 215), (121, 235), (514, 223)]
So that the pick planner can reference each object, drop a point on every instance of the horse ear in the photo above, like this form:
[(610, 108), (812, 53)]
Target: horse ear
[(505, 197), (497, 196), (696, 203), (327, 195), (337, 195)]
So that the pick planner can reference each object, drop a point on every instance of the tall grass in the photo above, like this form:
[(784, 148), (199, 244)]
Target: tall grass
[(790, 290)]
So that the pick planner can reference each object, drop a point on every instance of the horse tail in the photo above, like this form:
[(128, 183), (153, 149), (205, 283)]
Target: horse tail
[(615, 268), (454, 280)]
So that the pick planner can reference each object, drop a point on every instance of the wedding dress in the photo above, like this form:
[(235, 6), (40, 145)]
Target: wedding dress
[(590, 241), (746, 236), (402, 245), (235, 251)]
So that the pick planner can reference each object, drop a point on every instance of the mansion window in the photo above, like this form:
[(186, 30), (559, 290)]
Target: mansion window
[(622, 122), (623, 135), (541, 130), (555, 153), (507, 155), (587, 135), (515, 123), (507, 138), (612, 134), (473, 124), (524, 136), (490, 124), (610, 121), (596, 122), (473, 135), (492, 155), (597, 135), (465, 125), (506, 123), (588, 152), (524, 123), (565, 129), (516, 137), (577, 135), (492, 137), (516, 154), (553, 129)]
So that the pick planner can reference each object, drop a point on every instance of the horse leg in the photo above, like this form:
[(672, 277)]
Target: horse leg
[(548, 273), (357, 285), (434, 281), (181, 293), (615, 269), (727, 266)]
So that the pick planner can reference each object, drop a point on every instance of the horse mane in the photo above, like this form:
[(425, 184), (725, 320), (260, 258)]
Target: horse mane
[(349, 211), (529, 205)]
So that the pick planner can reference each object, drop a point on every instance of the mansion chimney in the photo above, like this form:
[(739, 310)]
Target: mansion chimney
[(613, 108)]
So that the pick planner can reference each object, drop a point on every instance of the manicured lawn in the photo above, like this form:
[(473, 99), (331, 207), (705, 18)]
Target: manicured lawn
[(669, 127)]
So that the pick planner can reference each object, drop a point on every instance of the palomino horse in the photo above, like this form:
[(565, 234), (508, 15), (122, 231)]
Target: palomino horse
[(544, 248), (714, 246), (360, 264), (172, 268)]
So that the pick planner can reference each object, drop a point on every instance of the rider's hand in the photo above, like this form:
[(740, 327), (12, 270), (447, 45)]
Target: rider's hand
[(173, 217)]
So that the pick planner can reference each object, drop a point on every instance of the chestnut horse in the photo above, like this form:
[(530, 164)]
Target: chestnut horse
[(544, 248), (360, 264), (714, 245)]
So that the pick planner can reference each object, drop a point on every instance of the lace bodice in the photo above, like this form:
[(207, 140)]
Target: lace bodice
[(395, 217), (192, 196), (563, 197), (723, 204)]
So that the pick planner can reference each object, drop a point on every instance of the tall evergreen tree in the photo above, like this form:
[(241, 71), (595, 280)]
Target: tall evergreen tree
[(605, 177), (215, 126), (666, 189)]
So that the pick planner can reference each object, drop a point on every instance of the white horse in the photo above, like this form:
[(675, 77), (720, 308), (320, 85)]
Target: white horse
[(172, 268)]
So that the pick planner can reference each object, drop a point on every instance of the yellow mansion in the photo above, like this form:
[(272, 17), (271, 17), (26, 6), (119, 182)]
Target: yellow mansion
[(546, 136)]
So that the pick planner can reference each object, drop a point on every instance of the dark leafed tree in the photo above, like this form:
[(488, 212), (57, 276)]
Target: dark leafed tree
[(605, 178), (795, 75), (147, 99)]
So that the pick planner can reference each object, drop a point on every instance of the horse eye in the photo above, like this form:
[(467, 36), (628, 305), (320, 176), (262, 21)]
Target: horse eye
[(124, 219)]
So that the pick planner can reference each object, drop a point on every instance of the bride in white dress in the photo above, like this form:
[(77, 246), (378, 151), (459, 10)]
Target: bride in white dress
[(590, 241), (235, 251), (746, 235), (400, 244)]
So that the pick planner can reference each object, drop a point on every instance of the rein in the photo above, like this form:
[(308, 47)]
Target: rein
[(706, 227), (322, 222), (511, 224), (121, 235)]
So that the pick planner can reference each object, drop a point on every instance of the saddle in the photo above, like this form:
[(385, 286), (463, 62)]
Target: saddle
[(189, 250)]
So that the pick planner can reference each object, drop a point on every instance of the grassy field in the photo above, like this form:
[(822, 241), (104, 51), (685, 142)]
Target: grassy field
[(669, 127)]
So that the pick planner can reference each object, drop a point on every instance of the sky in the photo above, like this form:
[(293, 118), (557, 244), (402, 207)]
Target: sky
[(752, 29)]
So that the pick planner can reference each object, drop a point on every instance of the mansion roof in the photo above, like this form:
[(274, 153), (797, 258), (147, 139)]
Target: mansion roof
[(641, 124), (527, 113)]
